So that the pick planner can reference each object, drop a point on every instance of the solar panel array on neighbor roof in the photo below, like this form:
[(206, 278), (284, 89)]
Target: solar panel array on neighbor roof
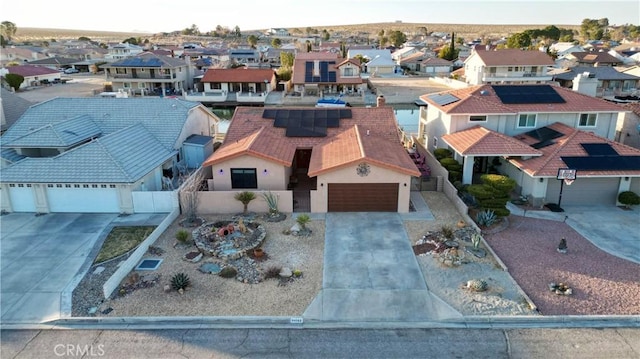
[(527, 94), (599, 149), (602, 157), (140, 62), (324, 75), (544, 135), (443, 99), (306, 122)]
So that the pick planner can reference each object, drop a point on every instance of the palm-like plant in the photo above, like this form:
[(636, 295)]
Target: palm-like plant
[(302, 220), (245, 197)]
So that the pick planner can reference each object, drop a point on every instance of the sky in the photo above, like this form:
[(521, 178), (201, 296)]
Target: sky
[(170, 15)]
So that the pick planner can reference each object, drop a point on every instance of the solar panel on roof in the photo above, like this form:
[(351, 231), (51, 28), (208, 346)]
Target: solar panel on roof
[(345, 113), (599, 149), (307, 122), (603, 163), (543, 144), (443, 99), (544, 134), (269, 113), (527, 94), (332, 77)]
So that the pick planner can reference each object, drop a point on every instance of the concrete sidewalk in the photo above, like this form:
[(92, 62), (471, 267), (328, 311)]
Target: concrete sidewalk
[(371, 274), (42, 255)]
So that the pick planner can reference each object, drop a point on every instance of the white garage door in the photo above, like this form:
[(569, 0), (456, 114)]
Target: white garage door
[(22, 199), (83, 200), (585, 191)]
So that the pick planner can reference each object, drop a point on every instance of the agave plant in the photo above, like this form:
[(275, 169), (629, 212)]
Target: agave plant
[(475, 240), (486, 218), (180, 281), (272, 202)]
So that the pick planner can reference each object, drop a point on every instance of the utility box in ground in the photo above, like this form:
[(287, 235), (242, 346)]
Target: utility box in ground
[(195, 149)]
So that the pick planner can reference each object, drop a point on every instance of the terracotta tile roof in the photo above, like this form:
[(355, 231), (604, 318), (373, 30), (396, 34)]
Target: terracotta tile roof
[(238, 75), (31, 70), (480, 141), (482, 99), (251, 134), (353, 61), (569, 145), (317, 56), (595, 57), (633, 107), (514, 57), (353, 146)]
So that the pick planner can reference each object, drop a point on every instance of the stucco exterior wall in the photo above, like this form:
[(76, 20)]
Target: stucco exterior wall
[(275, 178), (319, 201), (222, 202)]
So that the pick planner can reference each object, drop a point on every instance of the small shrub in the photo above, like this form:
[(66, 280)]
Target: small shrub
[(182, 236), (228, 272), (477, 285), (447, 231), (180, 281), (302, 220), (297, 273), (448, 161), (486, 218), (441, 153), (272, 272), (629, 198)]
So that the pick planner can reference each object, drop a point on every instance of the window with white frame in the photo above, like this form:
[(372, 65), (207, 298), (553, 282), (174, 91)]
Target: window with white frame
[(348, 71), (527, 120), (478, 118), (588, 120)]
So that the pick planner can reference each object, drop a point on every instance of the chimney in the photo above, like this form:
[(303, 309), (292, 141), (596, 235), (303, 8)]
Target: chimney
[(380, 101), (585, 83)]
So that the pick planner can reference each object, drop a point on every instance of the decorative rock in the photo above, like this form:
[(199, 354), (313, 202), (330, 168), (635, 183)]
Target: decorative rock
[(193, 257), (285, 272), (93, 310), (98, 270), (167, 288), (295, 228), (181, 291)]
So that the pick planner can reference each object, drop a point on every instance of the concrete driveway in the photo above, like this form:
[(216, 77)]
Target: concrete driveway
[(371, 274), (612, 229), (43, 257)]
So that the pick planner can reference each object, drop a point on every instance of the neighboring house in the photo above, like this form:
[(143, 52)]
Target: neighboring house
[(610, 82), (33, 75), (630, 133), (318, 73), (564, 48), (278, 32), (332, 160), (19, 55), (436, 66), (12, 107), (510, 66), (150, 74), (404, 53), (529, 132), (593, 59), (240, 85), (122, 51), (272, 55), (379, 62), (90, 155), (55, 63), (247, 57)]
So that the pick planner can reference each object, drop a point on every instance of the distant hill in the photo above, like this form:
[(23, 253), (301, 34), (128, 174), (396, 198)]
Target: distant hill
[(467, 31)]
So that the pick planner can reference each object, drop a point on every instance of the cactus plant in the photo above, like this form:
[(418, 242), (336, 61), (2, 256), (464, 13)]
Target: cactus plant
[(477, 285), (180, 281)]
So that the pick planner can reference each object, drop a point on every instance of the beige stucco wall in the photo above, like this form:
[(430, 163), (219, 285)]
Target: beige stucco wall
[(222, 202), (276, 177), (319, 200), (200, 122)]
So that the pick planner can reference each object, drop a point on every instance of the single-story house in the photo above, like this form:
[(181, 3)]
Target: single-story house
[(332, 159), (90, 155), (33, 75)]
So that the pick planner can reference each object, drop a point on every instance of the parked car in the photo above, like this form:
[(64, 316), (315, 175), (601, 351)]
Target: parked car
[(71, 70)]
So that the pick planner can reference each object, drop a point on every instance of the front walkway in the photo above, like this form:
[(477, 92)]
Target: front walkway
[(371, 273)]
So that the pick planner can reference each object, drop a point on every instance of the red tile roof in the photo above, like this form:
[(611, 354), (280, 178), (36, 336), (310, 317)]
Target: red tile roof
[(480, 141), (31, 70), (482, 99), (595, 57), (251, 134), (514, 57), (569, 145), (238, 75)]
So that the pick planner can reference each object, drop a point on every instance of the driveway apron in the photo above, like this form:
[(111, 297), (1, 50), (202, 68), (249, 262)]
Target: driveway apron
[(371, 273)]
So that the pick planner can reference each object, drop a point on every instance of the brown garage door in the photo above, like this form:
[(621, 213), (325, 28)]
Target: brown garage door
[(363, 197)]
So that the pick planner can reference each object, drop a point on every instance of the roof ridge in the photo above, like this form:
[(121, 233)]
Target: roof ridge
[(360, 145), (118, 164)]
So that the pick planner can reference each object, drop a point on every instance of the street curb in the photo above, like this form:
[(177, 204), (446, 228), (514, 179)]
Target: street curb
[(254, 322)]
